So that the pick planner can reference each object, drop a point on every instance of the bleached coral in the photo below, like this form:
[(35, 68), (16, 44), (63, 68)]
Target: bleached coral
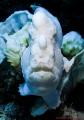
[(16, 45), (2, 49), (73, 43), (15, 22), (16, 40)]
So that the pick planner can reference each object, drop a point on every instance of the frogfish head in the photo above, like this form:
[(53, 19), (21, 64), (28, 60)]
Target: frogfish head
[(45, 61)]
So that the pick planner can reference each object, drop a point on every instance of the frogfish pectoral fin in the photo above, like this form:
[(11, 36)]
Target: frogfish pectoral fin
[(23, 89), (52, 99)]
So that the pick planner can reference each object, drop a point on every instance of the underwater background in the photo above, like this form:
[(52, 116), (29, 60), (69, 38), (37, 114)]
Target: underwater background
[(70, 14)]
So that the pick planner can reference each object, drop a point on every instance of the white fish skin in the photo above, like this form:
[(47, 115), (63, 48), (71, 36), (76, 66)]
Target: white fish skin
[(42, 61)]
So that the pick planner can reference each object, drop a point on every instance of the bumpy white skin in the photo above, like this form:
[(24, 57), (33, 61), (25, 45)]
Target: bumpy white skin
[(42, 61)]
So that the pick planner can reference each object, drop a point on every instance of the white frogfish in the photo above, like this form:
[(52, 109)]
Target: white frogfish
[(42, 61)]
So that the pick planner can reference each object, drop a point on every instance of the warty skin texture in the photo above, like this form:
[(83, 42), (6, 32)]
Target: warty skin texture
[(42, 61)]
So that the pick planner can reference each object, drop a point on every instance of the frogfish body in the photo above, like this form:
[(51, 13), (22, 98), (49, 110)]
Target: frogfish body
[(42, 61)]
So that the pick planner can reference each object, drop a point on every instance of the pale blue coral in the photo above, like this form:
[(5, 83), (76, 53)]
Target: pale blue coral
[(73, 43)]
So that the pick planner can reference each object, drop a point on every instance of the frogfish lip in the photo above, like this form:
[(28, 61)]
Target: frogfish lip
[(45, 69), (41, 75)]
